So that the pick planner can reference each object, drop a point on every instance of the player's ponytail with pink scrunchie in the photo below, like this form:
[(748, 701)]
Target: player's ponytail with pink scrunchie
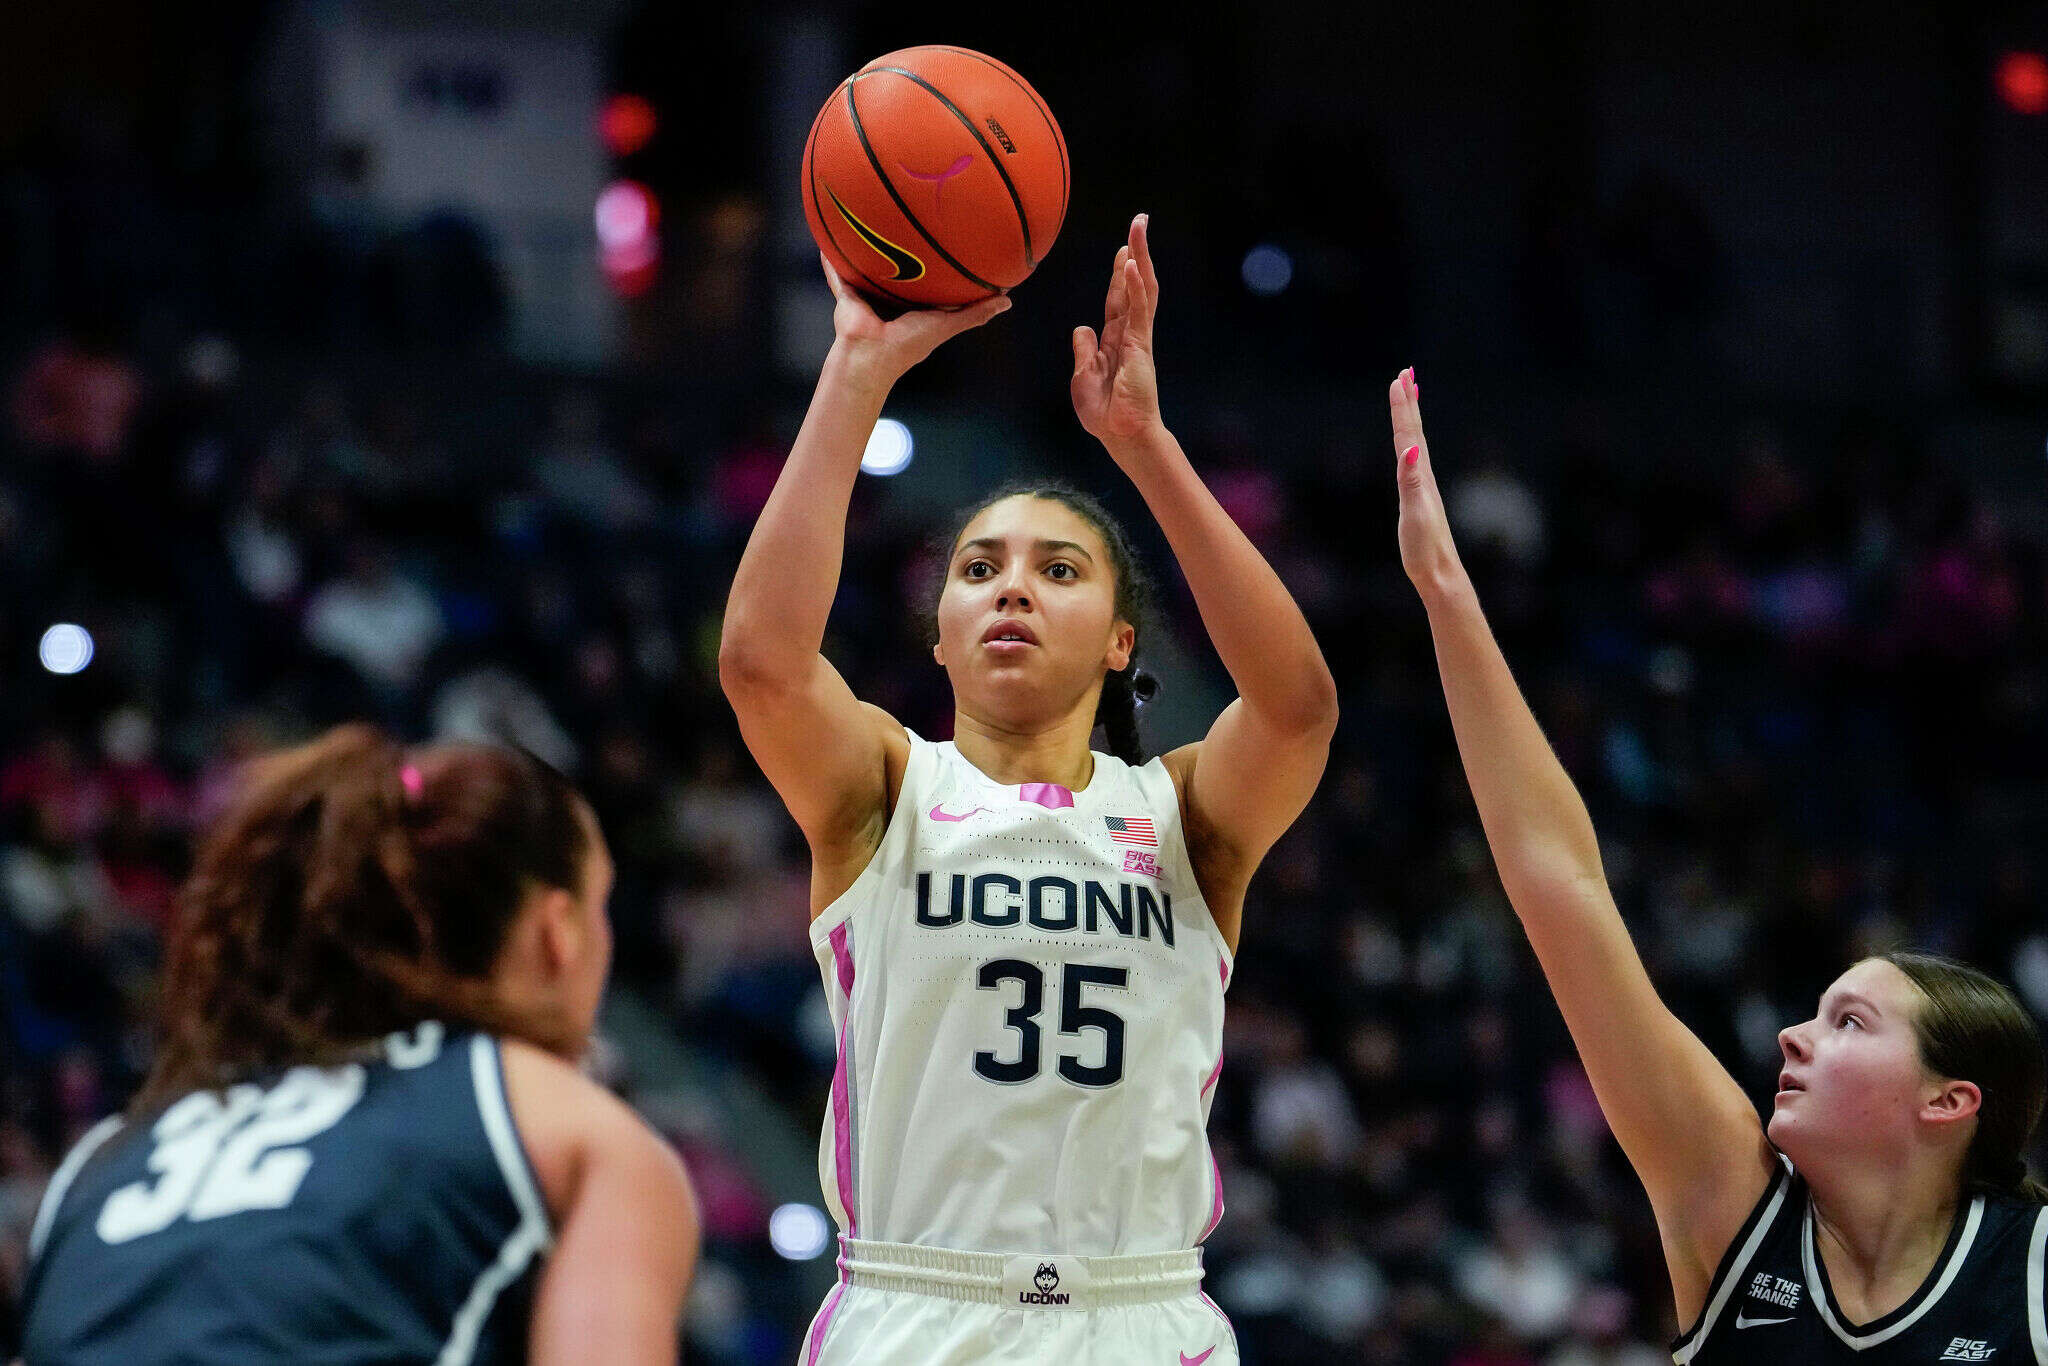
[(355, 887)]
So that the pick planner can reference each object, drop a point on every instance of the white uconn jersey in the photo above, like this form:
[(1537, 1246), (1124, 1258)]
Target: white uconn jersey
[(1028, 994)]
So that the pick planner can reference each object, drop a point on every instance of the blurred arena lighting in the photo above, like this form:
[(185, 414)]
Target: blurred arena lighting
[(65, 649), (626, 124), (890, 448), (627, 215), (2022, 80), (799, 1232), (1267, 270)]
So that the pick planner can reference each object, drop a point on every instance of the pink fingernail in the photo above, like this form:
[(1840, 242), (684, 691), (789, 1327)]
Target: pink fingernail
[(1414, 453)]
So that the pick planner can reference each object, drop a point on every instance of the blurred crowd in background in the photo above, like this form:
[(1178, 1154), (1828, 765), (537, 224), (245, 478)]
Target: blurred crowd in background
[(1794, 654)]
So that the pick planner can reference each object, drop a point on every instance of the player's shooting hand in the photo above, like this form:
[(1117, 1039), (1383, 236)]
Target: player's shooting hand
[(1427, 550), (1115, 388), (883, 351)]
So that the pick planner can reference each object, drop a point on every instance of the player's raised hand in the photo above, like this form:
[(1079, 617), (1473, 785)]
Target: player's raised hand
[(1427, 551), (886, 350), (1115, 388)]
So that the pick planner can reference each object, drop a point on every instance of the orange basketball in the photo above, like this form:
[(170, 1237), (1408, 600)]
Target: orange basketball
[(934, 177)]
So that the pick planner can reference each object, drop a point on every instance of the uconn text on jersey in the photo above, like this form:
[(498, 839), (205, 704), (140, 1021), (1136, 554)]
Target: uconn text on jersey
[(1050, 903)]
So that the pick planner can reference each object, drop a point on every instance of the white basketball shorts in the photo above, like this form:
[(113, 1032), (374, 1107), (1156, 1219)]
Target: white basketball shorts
[(925, 1306)]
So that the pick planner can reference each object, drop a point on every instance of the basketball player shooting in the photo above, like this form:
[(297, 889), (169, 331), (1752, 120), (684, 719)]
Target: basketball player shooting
[(1025, 942), (1883, 1214)]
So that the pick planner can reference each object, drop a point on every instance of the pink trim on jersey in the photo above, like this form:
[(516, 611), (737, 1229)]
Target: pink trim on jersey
[(1216, 1210), (1049, 795), (1215, 1213), (842, 1083), (842, 960), (824, 1325)]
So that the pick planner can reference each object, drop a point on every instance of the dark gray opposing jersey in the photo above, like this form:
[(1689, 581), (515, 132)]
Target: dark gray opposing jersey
[(380, 1211), (1770, 1302)]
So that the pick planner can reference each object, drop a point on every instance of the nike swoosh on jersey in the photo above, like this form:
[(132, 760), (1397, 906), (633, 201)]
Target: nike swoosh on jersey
[(1741, 1321), (906, 265), (939, 813), (1186, 1360)]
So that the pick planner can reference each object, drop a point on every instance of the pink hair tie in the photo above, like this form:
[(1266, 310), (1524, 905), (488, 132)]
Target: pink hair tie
[(409, 778)]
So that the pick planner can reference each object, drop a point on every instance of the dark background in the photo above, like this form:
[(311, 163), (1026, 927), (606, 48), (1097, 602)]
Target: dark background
[(1734, 326)]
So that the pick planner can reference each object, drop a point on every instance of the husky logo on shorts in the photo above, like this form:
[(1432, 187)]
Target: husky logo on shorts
[(1047, 1279)]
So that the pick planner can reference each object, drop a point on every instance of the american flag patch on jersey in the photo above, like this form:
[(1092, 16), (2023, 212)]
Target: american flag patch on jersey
[(1131, 830)]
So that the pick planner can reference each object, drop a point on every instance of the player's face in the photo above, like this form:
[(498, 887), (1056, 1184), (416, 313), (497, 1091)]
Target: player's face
[(584, 988), (1852, 1079), (558, 953), (1027, 621)]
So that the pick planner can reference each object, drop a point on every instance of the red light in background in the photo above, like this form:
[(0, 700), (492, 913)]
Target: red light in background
[(2022, 80), (626, 124), (629, 248)]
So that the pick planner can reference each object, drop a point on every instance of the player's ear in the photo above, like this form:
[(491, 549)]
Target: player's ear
[(1952, 1101), (1123, 643), (939, 653), (561, 932)]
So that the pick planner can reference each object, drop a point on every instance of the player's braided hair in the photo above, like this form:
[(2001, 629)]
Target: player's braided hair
[(1125, 689), (1972, 1028), (352, 889)]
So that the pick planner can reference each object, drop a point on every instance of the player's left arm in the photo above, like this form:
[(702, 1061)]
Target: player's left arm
[(1245, 782)]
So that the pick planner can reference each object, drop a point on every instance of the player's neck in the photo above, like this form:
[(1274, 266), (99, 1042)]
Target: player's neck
[(1056, 754), (1880, 1234)]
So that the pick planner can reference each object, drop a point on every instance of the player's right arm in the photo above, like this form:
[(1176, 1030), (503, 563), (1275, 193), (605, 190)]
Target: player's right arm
[(624, 1219), (1689, 1131), (827, 755)]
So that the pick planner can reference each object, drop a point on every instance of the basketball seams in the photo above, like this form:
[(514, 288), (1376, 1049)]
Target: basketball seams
[(1016, 200), (845, 257), (853, 111), (1059, 140)]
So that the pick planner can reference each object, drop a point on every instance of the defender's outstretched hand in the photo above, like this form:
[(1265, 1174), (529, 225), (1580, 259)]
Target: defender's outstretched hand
[(886, 350), (1427, 551), (1115, 388)]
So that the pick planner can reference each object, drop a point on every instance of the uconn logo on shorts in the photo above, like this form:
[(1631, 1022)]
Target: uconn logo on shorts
[(1047, 1279), (1039, 1280)]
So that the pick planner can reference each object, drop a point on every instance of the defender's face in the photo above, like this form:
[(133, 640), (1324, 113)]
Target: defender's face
[(558, 954), (1852, 1080), (594, 903), (1027, 620)]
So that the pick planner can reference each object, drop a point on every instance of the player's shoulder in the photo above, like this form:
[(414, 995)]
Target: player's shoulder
[(897, 741), (1179, 764), (567, 1122), (896, 738), (549, 1095), (2010, 1224)]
